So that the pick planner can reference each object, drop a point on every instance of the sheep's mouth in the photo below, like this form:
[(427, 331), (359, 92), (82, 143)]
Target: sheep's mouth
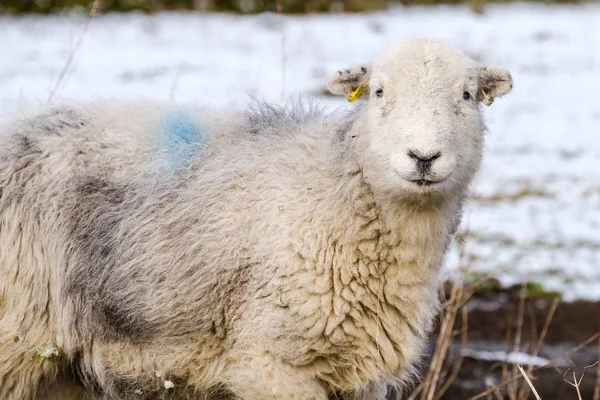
[(424, 182)]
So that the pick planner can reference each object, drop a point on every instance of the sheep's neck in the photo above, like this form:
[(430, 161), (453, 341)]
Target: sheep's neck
[(397, 240), (389, 287)]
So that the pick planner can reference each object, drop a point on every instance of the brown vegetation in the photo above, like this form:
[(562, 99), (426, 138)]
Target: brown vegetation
[(504, 321)]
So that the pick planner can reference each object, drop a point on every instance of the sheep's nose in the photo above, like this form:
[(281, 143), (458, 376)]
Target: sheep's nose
[(423, 161)]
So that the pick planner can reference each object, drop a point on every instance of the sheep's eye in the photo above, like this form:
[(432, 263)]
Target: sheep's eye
[(466, 95), (379, 93)]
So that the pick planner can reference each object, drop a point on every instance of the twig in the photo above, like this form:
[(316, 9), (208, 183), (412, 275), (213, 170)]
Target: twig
[(533, 324), (535, 393), (513, 389), (438, 356), (508, 335), (468, 291), (549, 317), (597, 385), (433, 375), (498, 395), (414, 393), (436, 372), (538, 345), (95, 6), (463, 343), (279, 7), (576, 383)]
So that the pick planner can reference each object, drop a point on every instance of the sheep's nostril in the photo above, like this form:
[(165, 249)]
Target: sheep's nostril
[(424, 158), (424, 161)]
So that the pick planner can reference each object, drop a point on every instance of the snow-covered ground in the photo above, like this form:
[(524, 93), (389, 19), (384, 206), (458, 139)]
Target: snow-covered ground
[(535, 212)]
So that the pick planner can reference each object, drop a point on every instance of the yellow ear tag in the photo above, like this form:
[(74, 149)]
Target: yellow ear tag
[(487, 100), (356, 94)]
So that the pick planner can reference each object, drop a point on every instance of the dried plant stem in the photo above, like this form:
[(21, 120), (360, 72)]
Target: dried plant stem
[(463, 343), (513, 388), (63, 73), (434, 375), (524, 393), (497, 394), (507, 336), (549, 317), (441, 347), (279, 6), (468, 291), (597, 385), (452, 304), (576, 383), (535, 393), (414, 393)]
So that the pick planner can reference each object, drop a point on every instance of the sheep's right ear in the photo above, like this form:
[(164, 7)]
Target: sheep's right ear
[(353, 83), (493, 82)]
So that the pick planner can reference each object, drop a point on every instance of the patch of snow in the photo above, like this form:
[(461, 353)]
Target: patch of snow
[(535, 211), (169, 384), (490, 381), (510, 358), (48, 351)]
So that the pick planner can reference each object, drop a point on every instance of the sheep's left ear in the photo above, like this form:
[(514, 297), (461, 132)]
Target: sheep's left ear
[(493, 82), (353, 83)]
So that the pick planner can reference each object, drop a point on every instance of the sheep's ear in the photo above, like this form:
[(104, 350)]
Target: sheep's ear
[(353, 83), (493, 82)]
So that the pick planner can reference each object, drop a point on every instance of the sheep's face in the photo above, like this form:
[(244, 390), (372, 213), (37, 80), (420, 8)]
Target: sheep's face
[(423, 121)]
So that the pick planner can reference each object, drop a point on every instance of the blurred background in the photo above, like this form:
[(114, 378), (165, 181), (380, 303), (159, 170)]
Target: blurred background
[(240, 6), (534, 211)]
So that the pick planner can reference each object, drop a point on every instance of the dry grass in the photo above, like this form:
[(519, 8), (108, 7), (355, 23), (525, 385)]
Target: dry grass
[(443, 370), (516, 382)]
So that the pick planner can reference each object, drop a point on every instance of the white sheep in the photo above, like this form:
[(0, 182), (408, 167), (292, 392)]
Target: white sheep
[(281, 253)]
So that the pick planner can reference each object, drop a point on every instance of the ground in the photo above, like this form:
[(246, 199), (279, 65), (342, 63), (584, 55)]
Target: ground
[(491, 352)]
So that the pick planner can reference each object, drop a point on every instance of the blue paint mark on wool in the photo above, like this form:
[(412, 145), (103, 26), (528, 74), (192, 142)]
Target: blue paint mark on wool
[(183, 139)]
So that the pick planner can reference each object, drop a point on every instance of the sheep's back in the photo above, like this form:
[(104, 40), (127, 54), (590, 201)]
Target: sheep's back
[(157, 214)]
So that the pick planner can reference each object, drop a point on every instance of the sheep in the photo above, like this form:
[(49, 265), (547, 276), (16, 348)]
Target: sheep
[(158, 251)]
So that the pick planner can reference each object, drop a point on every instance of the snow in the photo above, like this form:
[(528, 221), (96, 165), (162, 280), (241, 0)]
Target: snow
[(169, 385), (510, 358), (535, 211), (48, 351)]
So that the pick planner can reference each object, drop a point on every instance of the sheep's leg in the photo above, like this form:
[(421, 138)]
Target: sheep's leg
[(24, 367), (264, 377)]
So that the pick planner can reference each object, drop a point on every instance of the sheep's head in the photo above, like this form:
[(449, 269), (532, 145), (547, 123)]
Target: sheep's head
[(423, 123)]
